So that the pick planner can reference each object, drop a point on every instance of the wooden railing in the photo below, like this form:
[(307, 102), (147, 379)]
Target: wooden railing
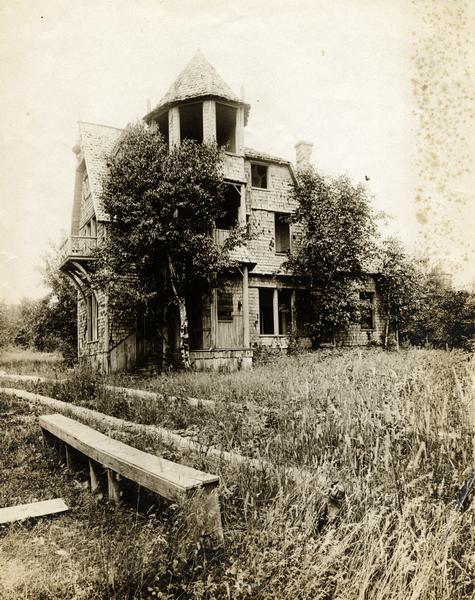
[(78, 246)]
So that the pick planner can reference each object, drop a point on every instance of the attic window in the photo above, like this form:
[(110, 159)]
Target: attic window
[(226, 127), (86, 190), (191, 122), (259, 176), (162, 123)]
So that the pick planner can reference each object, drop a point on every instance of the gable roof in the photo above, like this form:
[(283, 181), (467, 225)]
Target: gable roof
[(259, 155), (97, 142), (199, 79)]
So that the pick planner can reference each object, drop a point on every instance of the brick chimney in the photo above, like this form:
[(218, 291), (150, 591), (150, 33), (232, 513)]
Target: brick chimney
[(303, 154)]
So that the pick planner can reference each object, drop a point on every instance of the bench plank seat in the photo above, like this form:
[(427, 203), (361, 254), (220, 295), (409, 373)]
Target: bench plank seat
[(159, 475), (33, 509)]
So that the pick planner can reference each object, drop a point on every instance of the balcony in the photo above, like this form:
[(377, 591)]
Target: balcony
[(77, 248)]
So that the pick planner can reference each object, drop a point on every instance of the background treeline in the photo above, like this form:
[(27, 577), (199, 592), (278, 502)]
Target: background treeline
[(47, 324)]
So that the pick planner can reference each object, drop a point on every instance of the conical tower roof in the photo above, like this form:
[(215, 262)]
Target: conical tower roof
[(199, 79)]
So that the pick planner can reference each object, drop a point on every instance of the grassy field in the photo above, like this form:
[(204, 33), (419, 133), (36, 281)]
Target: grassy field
[(18, 360), (387, 437)]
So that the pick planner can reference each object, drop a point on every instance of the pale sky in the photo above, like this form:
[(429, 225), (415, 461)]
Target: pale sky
[(363, 80)]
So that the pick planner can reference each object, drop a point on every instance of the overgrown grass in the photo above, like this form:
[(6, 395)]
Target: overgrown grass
[(18, 360), (395, 430)]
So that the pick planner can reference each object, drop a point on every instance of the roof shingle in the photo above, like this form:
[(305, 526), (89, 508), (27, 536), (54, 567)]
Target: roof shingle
[(97, 142), (198, 79)]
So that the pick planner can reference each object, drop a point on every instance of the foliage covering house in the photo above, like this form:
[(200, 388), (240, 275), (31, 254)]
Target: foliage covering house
[(262, 304)]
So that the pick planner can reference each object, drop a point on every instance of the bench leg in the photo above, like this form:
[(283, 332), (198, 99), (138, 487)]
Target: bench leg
[(49, 441), (113, 486), (94, 476), (69, 457), (213, 513)]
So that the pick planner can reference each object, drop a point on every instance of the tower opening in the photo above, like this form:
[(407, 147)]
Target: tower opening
[(226, 126), (162, 122)]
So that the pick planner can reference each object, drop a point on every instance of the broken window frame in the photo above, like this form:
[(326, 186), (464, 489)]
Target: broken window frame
[(188, 108), (281, 220), (230, 219), (256, 178), (230, 146)]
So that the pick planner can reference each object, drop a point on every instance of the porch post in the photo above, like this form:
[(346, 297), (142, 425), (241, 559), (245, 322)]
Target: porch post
[(275, 302), (293, 312), (214, 319), (174, 127), (245, 306), (242, 207), (209, 121)]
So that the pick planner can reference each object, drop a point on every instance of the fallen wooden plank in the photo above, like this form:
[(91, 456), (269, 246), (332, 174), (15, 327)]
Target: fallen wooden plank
[(33, 509), (144, 394)]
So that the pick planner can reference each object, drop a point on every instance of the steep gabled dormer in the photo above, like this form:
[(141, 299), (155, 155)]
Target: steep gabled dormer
[(88, 216)]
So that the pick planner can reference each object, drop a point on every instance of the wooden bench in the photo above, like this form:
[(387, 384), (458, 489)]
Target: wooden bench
[(168, 479)]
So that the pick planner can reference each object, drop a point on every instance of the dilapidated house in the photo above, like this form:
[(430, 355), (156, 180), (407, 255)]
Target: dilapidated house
[(262, 304)]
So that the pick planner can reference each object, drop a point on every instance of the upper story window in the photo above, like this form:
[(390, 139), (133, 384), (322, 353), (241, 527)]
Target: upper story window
[(90, 229), (226, 126), (259, 178), (86, 190), (282, 233), (367, 312), (229, 218), (191, 122)]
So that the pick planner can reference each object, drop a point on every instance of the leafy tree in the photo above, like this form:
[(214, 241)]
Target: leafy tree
[(444, 316), (457, 319), (163, 205), (336, 244), (48, 324), (8, 324), (399, 282), (55, 323), (25, 329)]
